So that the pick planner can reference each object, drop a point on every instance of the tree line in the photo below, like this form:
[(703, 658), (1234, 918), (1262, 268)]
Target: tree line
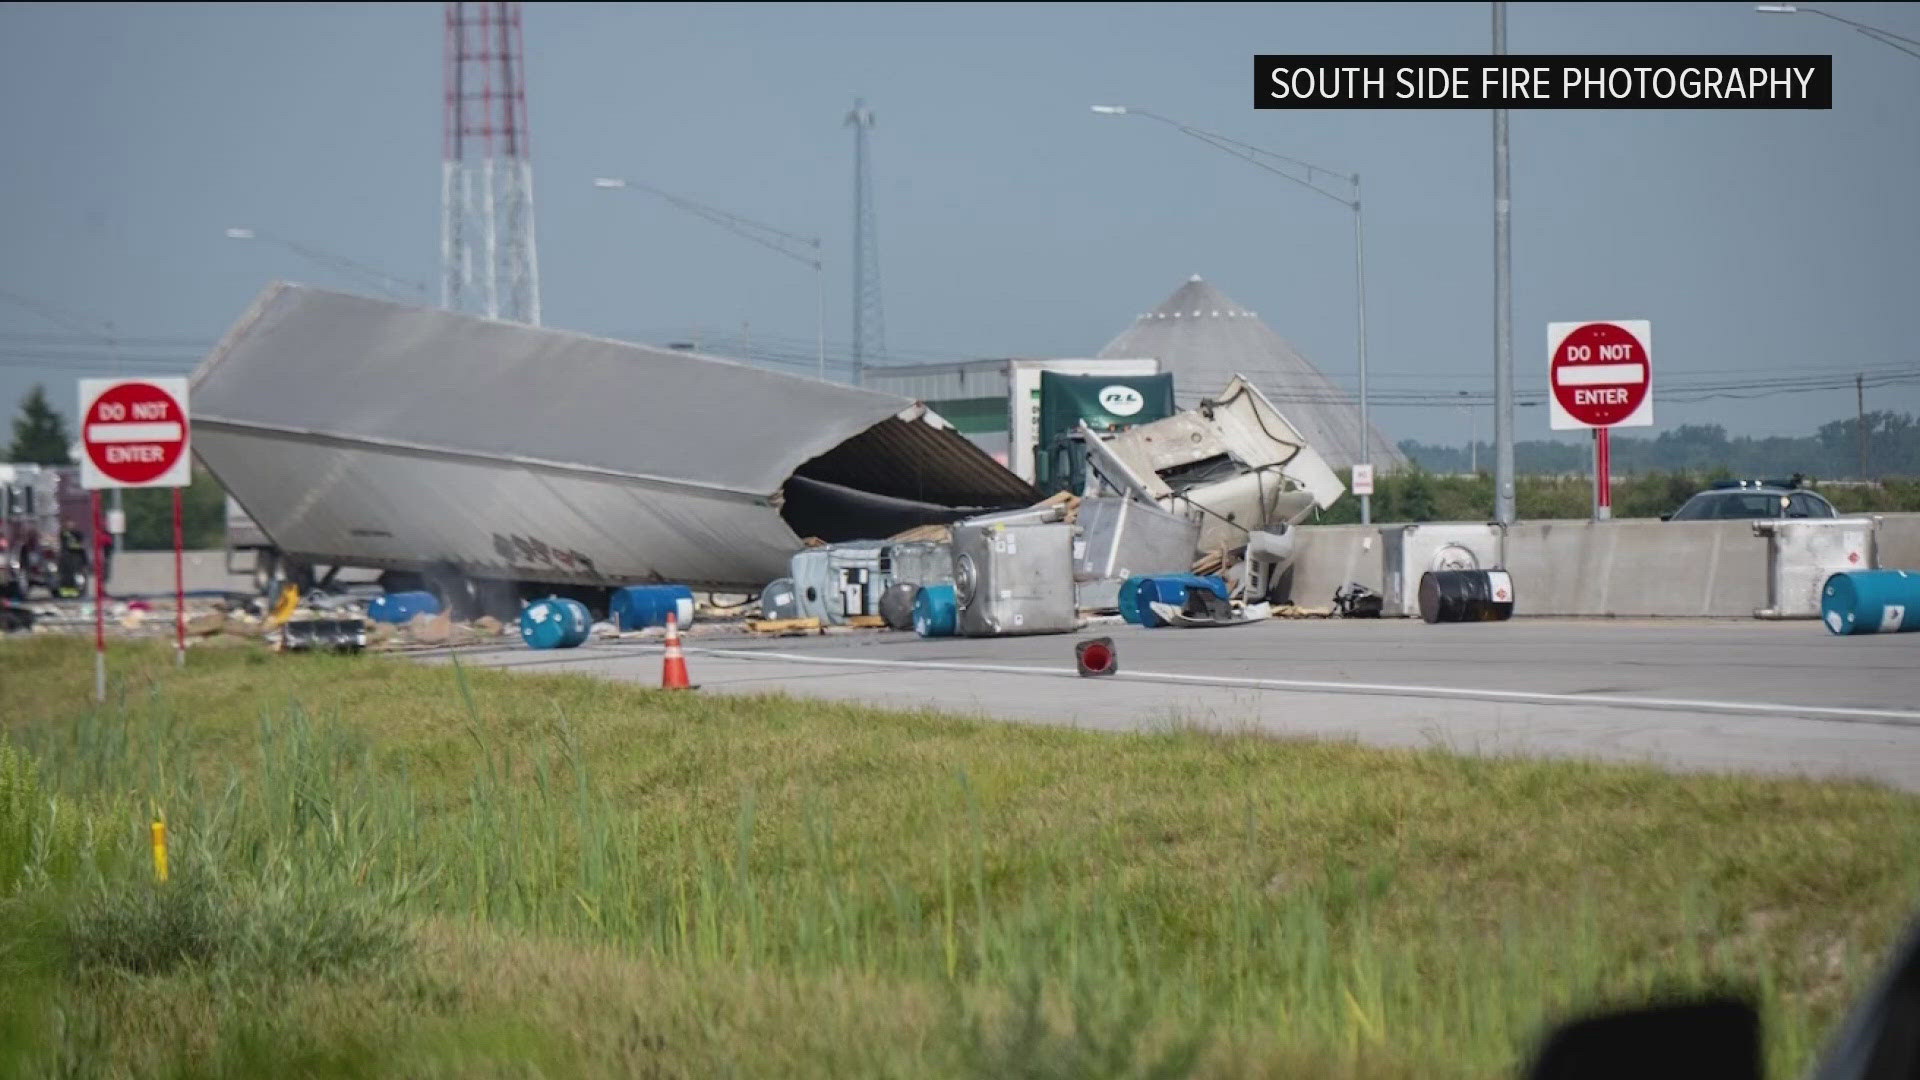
[(1833, 452)]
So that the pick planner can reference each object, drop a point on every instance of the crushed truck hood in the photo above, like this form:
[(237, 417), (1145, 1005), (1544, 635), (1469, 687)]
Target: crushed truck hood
[(1234, 456)]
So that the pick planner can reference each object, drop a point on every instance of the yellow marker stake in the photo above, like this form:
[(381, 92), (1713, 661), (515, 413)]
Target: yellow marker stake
[(160, 850)]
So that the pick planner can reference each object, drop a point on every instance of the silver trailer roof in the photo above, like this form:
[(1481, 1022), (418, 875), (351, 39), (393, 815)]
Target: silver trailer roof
[(332, 387)]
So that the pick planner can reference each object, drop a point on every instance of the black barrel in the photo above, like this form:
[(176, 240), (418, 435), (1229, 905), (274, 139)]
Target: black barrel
[(1466, 596), (896, 605)]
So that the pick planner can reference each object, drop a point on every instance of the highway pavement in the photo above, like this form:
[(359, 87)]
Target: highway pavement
[(1775, 697)]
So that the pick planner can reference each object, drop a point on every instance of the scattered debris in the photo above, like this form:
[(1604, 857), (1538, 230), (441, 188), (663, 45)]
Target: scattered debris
[(322, 635), (430, 629), (1356, 601), (15, 618), (784, 627), (1295, 611)]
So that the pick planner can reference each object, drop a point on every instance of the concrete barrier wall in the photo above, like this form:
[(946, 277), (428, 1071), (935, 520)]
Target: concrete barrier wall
[(1617, 568), (1329, 556), (1898, 542), (1637, 568)]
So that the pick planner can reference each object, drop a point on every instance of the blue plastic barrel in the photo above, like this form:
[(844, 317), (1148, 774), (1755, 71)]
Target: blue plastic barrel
[(401, 607), (1164, 589), (1871, 602), (1130, 599), (935, 614), (637, 607), (555, 623)]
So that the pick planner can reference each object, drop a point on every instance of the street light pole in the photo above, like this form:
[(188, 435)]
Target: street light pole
[(1503, 486), (1360, 337), (389, 285), (1885, 37), (775, 240), (1254, 155)]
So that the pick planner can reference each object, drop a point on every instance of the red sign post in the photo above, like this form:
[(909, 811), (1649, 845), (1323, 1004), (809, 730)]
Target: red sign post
[(135, 434), (1601, 375)]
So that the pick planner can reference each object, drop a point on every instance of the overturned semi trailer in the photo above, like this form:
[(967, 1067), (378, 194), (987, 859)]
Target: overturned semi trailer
[(446, 449)]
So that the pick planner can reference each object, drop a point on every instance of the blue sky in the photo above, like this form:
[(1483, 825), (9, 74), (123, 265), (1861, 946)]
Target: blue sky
[(1012, 220)]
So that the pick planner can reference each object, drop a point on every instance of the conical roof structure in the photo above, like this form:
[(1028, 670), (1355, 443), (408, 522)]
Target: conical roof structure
[(1204, 338)]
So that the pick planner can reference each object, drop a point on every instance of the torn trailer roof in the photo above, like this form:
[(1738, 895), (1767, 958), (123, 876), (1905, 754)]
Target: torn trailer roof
[(361, 432)]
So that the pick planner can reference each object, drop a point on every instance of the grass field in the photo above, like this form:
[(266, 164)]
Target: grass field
[(379, 868)]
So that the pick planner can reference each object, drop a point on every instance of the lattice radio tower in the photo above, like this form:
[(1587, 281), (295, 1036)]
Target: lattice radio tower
[(487, 259), (869, 323)]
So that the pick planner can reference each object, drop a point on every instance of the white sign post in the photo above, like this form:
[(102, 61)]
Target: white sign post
[(1363, 479), (1601, 375), (134, 434)]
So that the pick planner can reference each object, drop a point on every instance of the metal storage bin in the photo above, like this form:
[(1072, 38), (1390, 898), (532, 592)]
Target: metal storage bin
[(839, 581), (1409, 551), (1014, 579), (836, 582), (1123, 537), (780, 600), (917, 562), (1803, 554)]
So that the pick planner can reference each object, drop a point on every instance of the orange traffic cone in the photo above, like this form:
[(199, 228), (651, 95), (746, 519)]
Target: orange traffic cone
[(673, 674)]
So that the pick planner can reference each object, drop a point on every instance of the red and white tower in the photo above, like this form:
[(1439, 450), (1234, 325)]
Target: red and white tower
[(487, 258)]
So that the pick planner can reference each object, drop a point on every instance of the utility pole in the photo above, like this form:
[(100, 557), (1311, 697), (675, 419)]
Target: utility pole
[(869, 326), (1860, 421), (1503, 493)]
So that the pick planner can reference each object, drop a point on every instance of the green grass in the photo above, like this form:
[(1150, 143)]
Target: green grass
[(388, 869)]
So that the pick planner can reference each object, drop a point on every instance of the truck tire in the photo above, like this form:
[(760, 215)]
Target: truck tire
[(457, 595), (499, 599), (266, 569)]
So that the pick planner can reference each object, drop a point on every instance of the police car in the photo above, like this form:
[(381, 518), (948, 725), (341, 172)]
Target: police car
[(1738, 500)]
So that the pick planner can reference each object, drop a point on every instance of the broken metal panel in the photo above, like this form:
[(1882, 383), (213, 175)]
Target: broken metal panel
[(1241, 504), (1107, 464), (1258, 435), (915, 456)]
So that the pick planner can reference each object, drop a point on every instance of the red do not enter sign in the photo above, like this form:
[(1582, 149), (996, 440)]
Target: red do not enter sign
[(134, 433), (1600, 374)]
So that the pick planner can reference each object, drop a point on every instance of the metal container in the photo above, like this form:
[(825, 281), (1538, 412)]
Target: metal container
[(935, 612), (917, 562), (1803, 554), (1121, 537), (402, 606), (780, 600), (1014, 578), (1409, 551), (637, 607), (1872, 602), (1099, 597), (896, 605), (839, 581), (555, 623), (1466, 596)]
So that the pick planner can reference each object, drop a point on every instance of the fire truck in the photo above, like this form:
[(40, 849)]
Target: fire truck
[(45, 532)]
